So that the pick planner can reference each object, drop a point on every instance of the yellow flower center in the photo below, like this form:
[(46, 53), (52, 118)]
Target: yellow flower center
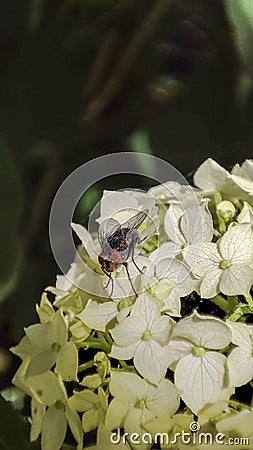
[(198, 351), (225, 264), (146, 336), (140, 404)]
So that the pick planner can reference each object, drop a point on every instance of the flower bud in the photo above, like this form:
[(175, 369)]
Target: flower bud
[(226, 210)]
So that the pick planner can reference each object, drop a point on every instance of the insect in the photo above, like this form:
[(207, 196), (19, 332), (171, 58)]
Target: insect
[(118, 243)]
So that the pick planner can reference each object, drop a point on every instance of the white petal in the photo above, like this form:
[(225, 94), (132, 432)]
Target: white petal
[(146, 308), (240, 366), (75, 425), (197, 224), (40, 335), (236, 280), (209, 286), (202, 258), (166, 250), (239, 424), (246, 214), (128, 387), (241, 334), (129, 330), (86, 240), (116, 414), (67, 362), (150, 361), (171, 224), (161, 329), (237, 244), (41, 363), (59, 328), (241, 187), (201, 378), (97, 316), (54, 427), (45, 388), (177, 349), (210, 176), (133, 424), (164, 399), (123, 353), (172, 304), (92, 418), (204, 331), (119, 205), (38, 412), (176, 272)]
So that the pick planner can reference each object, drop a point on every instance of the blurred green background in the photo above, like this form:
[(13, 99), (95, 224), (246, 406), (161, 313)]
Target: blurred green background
[(83, 78)]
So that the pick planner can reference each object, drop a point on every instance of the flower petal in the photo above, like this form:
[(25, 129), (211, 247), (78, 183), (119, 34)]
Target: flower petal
[(150, 361), (97, 316), (209, 286), (236, 280), (240, 366), (237, 244), (204, 331), (129, 330), (165, 398), (201, 378), (210, 176), (54, 427), (67, 362)]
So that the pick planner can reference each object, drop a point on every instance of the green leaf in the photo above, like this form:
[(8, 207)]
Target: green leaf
[(10, 207), (14, 429)]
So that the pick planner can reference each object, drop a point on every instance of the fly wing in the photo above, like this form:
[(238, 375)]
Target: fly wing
[(135, 221), (107, 228)]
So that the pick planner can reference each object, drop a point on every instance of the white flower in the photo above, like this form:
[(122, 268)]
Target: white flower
[(199, 369), (225, 266), (122, 205), (137, 402), (142, 336), (167, 280), (211, 177), (188, 229), (240, 360)]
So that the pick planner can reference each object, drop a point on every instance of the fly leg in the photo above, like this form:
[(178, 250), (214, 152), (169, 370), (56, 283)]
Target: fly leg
[(110, 280), (139, 270), (128, 276)]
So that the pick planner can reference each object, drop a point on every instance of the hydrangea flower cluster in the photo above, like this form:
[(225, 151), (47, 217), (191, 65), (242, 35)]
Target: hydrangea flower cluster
[(106, 360)]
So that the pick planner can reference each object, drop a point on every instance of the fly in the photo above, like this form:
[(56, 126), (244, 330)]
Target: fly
[(118, 243)]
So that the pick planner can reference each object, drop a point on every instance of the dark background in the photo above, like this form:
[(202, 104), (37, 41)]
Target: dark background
[(83, 78)]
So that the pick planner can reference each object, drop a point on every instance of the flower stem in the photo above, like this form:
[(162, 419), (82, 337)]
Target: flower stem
[(86, 366)]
